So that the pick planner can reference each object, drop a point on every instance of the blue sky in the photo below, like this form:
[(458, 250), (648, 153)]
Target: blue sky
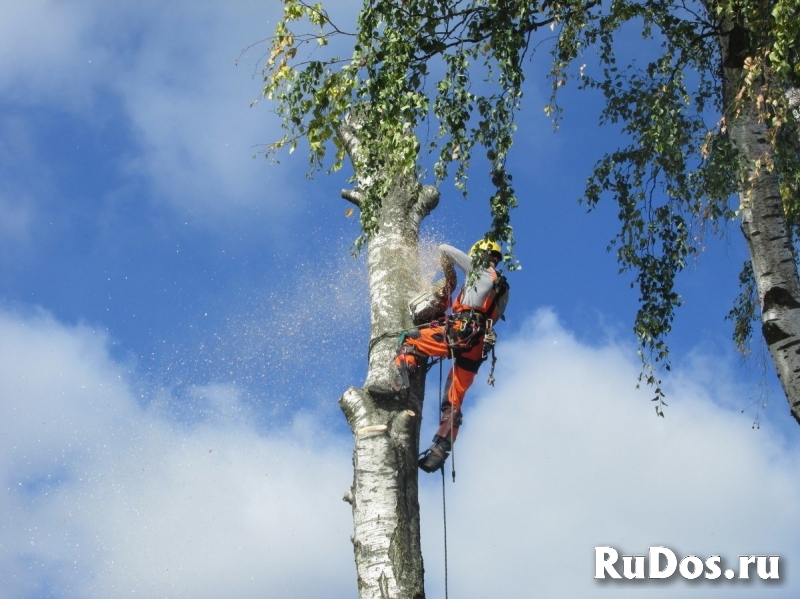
[(178, 319)]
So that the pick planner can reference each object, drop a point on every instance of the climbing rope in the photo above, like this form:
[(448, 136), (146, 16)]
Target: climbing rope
[(452, 440), (375, 340), (444, 511), (444, 321), (444, 501)]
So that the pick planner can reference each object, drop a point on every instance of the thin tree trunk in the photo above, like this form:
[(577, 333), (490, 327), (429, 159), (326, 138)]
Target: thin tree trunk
[(764, 223), (771, 254), (384, 498)]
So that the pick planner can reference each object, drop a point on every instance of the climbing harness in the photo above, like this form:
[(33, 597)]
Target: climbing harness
[(463, 330), (401, 335), (494, 304)]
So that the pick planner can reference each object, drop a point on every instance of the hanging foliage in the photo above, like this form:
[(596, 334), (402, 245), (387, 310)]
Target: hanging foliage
[(461, 64)]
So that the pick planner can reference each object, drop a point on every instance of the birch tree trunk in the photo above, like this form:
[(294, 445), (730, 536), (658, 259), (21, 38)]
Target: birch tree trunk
[(384, 498), (764, 226), (793, 99)]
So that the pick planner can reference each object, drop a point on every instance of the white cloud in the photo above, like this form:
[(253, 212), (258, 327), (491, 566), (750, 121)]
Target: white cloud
[(165, 78), (46, 55), (103, 497), (106, 493), (564, 455), (189, 108)]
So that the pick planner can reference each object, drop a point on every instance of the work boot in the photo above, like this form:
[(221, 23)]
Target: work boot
[(402, 379), (399, 386), (382, 392), (433, 459)]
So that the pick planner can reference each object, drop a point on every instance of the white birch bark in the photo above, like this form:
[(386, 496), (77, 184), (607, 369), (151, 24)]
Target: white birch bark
[(765, 228), (384, 494), (766, 231), (793, 100)]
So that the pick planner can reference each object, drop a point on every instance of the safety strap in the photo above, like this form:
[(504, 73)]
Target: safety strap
[(460, 344), (503, 282), (452, 415), (444, 496), (375, 340)]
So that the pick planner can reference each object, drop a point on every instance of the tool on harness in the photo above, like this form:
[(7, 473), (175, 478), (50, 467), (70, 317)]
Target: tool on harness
[(464, 330), (489, 341), (490, 380)]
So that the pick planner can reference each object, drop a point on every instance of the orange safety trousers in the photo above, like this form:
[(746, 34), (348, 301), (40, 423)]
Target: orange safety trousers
[(433, 342)]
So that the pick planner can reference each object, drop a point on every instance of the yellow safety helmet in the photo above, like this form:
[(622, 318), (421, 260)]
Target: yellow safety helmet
[(486, 245)]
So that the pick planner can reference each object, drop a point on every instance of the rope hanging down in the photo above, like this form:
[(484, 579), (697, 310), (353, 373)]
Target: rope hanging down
[(375, 340), (444, 501), (444, 514)]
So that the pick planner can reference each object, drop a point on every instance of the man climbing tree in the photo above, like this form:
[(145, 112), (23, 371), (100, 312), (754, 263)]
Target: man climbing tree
[(714, 115), (467, 337), (367, 108), (675, 177)]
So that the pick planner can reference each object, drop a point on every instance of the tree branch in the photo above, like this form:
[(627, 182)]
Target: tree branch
[(357, 406), (348, 133), (354, 196), (427, 200)]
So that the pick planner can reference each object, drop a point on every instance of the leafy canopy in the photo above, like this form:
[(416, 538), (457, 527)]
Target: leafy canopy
[(461, 63), (674, 179), (458, 65)]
